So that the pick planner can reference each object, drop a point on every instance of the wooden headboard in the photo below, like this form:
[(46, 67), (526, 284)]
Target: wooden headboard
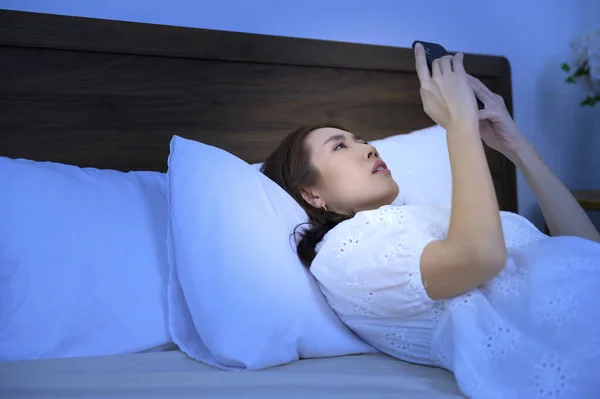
[(111, 94)]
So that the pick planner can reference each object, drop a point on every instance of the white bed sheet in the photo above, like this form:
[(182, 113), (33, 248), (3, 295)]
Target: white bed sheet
[(173, 375)]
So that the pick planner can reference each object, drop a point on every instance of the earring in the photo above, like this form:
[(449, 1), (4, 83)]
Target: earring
[(324, 207)]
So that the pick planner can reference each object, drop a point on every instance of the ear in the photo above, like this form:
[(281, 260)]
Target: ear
[(312, 198)]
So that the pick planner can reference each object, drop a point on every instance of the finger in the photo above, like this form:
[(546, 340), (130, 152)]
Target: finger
[(421, 64), (436, 69), (486, 114), (446, 64), (457, 62), (481, 90)]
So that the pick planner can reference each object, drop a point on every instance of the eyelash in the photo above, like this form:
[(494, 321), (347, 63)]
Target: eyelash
[(340, 144)]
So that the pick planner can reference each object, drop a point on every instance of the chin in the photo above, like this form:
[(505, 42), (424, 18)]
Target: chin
[(390, 194)]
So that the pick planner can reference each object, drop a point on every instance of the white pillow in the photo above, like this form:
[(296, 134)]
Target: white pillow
[(238, 295), (83, 261), (420, 164)]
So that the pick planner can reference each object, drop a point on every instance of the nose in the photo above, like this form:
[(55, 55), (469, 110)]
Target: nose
[(371, 152)]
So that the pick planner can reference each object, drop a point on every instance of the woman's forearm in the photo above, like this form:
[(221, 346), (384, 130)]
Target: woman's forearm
[(474, 250), (563, 214), (475, 216)]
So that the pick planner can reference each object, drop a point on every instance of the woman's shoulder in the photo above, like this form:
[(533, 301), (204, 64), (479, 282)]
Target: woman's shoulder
[(377, 241)]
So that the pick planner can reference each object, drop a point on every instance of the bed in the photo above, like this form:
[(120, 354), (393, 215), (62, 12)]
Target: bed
[(111, 94)]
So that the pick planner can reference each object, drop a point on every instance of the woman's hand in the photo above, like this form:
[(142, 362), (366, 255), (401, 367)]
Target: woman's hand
[(446, 94), (498, 130)]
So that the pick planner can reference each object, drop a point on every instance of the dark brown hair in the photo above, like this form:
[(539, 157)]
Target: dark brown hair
[(291, 168)]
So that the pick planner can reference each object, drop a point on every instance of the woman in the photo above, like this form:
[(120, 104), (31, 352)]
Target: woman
[(512, 312)]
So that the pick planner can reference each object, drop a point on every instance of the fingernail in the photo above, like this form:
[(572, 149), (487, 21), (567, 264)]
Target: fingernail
[(419, 48)]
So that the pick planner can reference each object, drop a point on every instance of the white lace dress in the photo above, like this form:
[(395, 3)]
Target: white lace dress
[(531, 332)]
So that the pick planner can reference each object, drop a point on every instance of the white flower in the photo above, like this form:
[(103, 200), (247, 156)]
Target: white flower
[(581, 46), (585, 51)]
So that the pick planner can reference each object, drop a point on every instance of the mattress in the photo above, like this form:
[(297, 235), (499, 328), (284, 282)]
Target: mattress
[(173, 375)]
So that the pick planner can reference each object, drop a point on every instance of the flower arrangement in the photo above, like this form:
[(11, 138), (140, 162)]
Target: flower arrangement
[(584, 67)]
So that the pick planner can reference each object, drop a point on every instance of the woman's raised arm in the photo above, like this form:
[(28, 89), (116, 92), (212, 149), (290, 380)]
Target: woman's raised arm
[(474, 250)]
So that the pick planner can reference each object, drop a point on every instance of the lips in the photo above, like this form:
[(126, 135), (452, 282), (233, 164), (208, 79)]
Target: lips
[(379, 167)]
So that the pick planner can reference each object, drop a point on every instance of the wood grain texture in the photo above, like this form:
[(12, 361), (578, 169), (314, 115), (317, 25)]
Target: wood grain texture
[(77, 33), (111, 94)]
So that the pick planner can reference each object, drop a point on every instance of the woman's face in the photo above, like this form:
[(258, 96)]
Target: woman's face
[(353, 177)]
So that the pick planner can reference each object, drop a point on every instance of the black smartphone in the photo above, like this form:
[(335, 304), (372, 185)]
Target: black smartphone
[(434, 51)]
